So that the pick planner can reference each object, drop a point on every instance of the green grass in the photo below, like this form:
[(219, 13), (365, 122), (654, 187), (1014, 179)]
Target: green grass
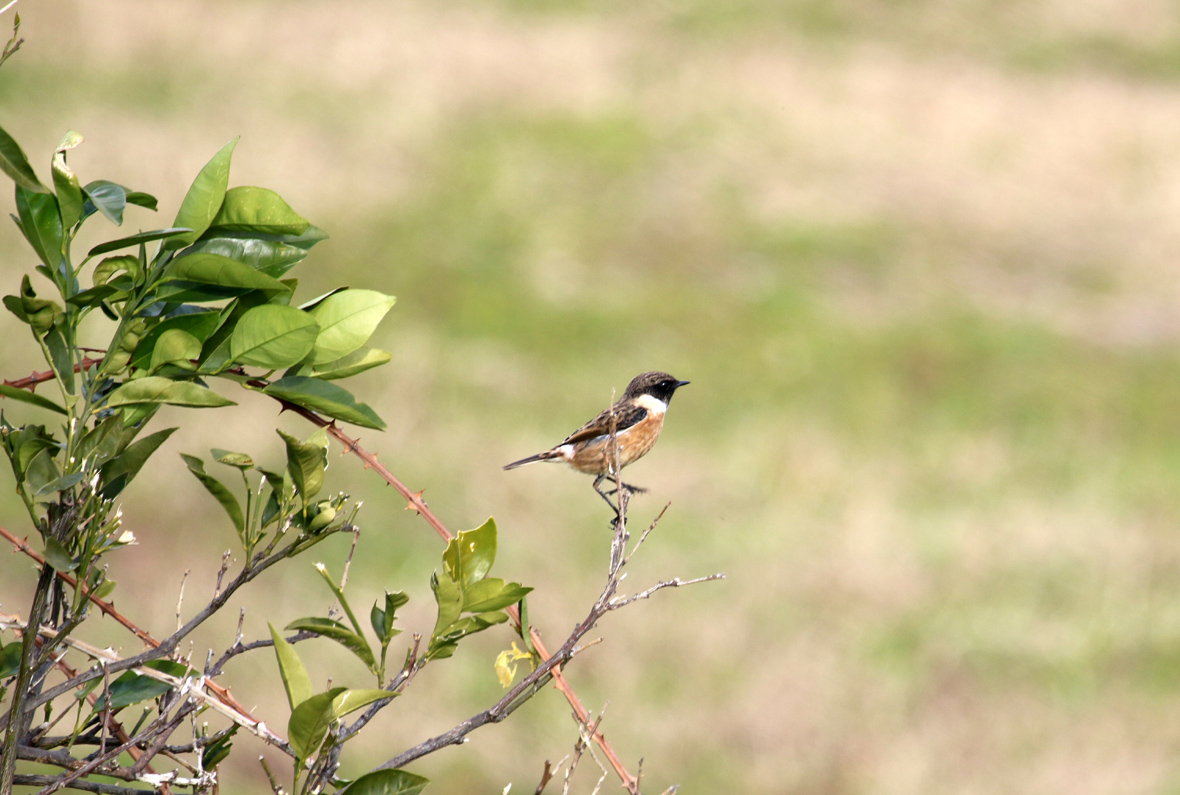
[(940, 477)]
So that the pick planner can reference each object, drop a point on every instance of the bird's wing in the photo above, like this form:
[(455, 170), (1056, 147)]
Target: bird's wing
[(600, 425)]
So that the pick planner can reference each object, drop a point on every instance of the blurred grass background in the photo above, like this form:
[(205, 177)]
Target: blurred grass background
[(917, 259)]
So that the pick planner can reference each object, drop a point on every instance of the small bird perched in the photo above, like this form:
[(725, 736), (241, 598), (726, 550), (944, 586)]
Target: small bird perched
[(637, 419)]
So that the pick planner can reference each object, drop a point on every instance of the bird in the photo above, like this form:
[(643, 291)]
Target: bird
[(636, 421)]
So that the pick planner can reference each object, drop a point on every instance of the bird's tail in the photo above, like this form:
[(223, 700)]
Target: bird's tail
[(548, 455)]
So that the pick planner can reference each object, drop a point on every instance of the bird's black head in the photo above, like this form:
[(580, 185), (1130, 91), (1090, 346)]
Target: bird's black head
[(658, 385)]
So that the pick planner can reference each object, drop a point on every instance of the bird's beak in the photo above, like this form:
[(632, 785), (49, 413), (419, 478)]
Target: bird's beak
[(682, 383)]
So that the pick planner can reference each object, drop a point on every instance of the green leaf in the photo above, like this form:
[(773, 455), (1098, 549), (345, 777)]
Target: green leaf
[(112, 265), (204, 198), (347, 319), (352, 700), (95, 296), (14, 163), (25, 396), (40, 313), (10, 660), (41, 223), (57, 556), (382, 618), (272, 336), (60, 355), (492, 593), (107, 198), (444, 641), (197, 324), (141, 199), (42, 469), (60, 484), (272, 257), (249, 209), (215, 487), (295, 679), (177, 347), (135, 240), (325, 398), (65, 182), (116, 473), (306, 462), (217, 751), (470, 555), (156, 389), (205, 268), (387, 782), (334, 630), (350, 365), (449, 596), (230, 458), (131, 688), (310, 722)]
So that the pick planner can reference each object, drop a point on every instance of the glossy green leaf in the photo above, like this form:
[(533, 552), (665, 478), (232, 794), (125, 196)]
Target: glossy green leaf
[(196, 324), (60, 484), (306, 462), (141, 199), (107, 198), (310, 722), (324, 398), (347, 319), (155, 389), (381, 617), (40, 222), (65, 182), (25, 396), (42, 469), (57, 556), (40, 313), (95, 296), (449, 596), (116, 473), (217, 751), (230, 458), (175, 347), (135, 240), (10, 660), (387, 782), (204, 198), (334, 630), (350, 365), (249, 209), (492, 593), (131, 688), (274, 258), (28, 442), (443, 642), (204, 268), (351, 700), (295, 679), (14, 163), (61, 355), (113, 265), (470, 555), (215, 487), (273, 336)]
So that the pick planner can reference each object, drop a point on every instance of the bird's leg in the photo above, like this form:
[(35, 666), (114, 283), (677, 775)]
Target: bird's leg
[(605, 495), (629, 488)]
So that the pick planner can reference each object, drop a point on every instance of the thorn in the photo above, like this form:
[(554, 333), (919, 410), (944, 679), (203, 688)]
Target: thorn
[(410, 506)]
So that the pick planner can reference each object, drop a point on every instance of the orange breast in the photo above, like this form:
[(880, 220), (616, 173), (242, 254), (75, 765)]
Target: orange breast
[(592, 456)]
